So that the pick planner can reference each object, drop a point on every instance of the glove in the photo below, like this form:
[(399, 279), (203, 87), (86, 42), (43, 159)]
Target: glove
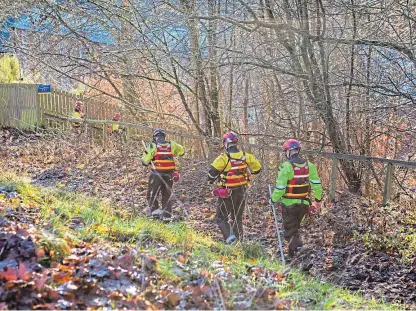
[(314, 208), (176, 176)]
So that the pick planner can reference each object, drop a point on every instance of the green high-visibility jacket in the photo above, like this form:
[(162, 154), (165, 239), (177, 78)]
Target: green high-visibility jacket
[(286, 173)]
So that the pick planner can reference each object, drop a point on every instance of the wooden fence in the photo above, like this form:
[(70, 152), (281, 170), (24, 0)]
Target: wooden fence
[(18, 105), (21, 106)]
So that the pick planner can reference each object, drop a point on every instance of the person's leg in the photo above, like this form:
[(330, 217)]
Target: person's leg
[(167, 198), (221, 217), (292, 217), (153, 190), (238, 204), (300, 211)]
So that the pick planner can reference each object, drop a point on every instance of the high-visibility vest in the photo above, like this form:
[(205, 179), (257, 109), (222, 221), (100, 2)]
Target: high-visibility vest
[(237, 175), (298, 187), (163, 159)]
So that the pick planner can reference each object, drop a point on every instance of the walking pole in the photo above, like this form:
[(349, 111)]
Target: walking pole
[(277, 225)]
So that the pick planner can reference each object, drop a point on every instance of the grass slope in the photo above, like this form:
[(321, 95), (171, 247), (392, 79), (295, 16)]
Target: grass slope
[(217, 275)]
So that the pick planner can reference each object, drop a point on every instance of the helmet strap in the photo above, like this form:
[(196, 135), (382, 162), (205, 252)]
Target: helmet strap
[(159, 138), (231, 147), (292, 153)]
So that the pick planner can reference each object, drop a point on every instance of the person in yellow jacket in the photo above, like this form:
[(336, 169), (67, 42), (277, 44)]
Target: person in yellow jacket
[(232, 170), (114, 128), (295, 178), (78, 114), (160, 155)]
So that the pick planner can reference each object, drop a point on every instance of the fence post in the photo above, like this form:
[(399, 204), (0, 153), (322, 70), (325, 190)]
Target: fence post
[(104, 135), (333, 181), (128, 133), (387, 184)]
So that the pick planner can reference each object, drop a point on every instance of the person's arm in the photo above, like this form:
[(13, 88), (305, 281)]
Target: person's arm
[(177, 149), (283, 176), (253, 164), (149, 154), (315, 182), (218, 166)]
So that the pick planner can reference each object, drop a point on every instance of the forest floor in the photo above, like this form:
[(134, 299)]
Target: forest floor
[(63, 246)]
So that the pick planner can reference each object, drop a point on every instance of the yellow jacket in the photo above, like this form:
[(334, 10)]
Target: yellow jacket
[(222, 165)]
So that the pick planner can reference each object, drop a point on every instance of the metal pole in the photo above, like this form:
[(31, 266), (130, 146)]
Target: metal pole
[(277, 226)]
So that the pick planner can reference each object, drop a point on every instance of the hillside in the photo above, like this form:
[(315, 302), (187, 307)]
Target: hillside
[(75, 226)]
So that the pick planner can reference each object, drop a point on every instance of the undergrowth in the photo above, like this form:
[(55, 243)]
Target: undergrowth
[(70, 218)]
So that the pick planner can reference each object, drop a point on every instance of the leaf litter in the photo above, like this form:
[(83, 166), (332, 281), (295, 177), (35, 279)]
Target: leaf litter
[(84, 279)]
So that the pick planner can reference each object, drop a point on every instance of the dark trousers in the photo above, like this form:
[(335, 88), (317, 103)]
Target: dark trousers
[(160, 183), (292, 218), (234, 207)]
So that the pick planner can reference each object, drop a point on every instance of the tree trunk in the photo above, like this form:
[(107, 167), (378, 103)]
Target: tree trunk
[(213, 9)]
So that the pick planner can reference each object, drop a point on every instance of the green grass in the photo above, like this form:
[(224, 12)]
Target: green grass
[(102, 223)]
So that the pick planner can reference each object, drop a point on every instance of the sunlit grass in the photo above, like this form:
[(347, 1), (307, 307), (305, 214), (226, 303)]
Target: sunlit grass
[(100, 222)]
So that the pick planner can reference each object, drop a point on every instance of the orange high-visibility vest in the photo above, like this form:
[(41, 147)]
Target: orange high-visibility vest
[(163, 159), (237, 175), (298, 187)]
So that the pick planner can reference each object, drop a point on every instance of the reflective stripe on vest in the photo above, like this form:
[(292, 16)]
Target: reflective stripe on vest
[(298, 187), (163, 159), (237, 175)]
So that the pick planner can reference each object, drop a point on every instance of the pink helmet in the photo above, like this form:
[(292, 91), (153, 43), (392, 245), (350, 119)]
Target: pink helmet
[(78, 104), (230, 137), (291, 144), (117, 116)]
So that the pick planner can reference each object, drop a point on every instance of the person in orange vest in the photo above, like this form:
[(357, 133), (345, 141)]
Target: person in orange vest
[(295, 178), (160, 155), (232, 170)]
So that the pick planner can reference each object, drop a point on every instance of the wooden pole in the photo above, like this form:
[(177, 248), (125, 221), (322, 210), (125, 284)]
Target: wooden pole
[(104, 135), (387, 184), (333, 182)]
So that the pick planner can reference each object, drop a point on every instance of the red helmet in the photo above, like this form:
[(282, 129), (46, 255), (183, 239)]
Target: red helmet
[(117, 116), (291, 144), (230, 137)]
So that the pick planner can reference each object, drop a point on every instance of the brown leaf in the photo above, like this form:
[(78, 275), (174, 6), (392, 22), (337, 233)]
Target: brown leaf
[(40, 253), (150, 262), (39, 282), (62, 278), (9, 275), (181, 259), (173, 299), (23, 274)]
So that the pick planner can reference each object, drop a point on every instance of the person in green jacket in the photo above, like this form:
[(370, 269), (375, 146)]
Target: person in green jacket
[(295, 178)]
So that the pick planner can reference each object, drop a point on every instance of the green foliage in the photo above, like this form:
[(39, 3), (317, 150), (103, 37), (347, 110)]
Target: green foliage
[(9, 69), (390, 229), (252, 250)]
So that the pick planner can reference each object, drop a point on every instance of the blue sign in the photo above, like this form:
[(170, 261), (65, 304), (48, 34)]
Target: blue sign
[(43, 88)]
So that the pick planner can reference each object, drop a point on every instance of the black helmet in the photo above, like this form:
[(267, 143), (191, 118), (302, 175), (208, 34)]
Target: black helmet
[(158, 132)]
